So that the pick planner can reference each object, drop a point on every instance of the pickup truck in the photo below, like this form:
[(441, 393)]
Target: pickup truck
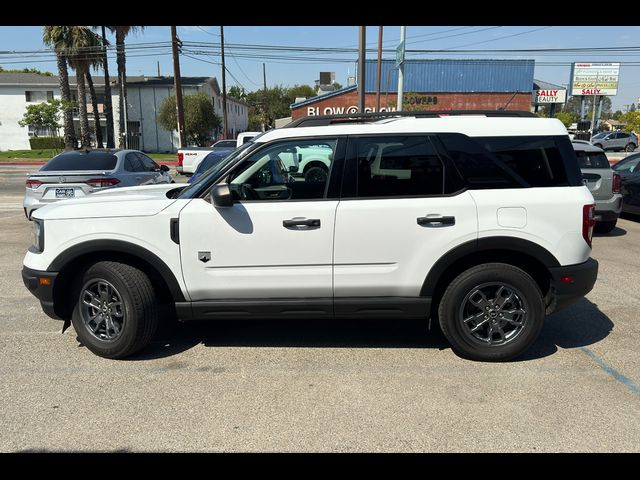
[(190, 158)]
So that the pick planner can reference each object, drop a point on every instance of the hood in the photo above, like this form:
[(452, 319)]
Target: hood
[(139, 201)]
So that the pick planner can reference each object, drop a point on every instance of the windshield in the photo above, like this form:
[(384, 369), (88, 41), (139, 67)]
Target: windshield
[(212, 174)]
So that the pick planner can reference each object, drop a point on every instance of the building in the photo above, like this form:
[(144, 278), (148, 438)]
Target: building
[(433, 85), (144, 96)]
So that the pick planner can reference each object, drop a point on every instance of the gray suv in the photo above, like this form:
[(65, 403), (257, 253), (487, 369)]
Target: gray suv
[(604, 184), (615, 141)]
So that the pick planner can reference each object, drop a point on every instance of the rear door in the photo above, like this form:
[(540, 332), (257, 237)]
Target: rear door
[(152, 168), (400, 212)]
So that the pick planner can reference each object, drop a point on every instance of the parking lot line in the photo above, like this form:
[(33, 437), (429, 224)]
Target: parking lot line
[(612, 371)]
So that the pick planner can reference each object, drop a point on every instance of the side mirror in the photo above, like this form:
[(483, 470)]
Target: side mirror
[(293, 169), (221, 196), (164, 168)]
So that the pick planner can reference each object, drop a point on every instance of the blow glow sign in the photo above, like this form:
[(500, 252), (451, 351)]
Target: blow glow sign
[(595, 78), (343, 110)]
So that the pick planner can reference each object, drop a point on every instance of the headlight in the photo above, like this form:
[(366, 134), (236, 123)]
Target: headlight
[(38, 235)]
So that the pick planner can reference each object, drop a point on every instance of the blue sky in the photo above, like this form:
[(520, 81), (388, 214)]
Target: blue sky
[(248, 72)]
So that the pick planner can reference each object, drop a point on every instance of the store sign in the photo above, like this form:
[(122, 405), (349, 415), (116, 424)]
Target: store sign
[(344, 110), (541, 97), (419, 100), (595, 78)]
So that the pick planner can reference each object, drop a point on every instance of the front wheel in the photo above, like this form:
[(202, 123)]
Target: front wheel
[(492, 312), (598, 145), (116, 313)]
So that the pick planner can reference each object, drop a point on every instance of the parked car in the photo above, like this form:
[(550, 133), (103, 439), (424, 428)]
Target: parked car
[(480, 222), (209, 161), (615, 141), (603, 183), (81, 172), (629, 170), (190, 158)]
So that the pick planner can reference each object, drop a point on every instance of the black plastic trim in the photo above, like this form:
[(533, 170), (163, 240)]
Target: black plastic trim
[(304, 308), (606, 215), (174, 230), (584, 275), (510, 244), (44, 293), (98, 246)]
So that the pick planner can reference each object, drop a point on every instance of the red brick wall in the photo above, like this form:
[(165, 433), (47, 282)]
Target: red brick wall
[(348, 102)]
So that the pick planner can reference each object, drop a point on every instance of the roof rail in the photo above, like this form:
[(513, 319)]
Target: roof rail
[(321, 120)]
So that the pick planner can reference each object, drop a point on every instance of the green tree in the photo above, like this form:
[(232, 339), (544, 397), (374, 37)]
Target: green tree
[(121, 33), (236, 92), (300, 91), (84, 52), (200, 119), (617, 114), (566, 118), (58, 38), (108, 107), (26, 70), (43, 115), (632, 121)]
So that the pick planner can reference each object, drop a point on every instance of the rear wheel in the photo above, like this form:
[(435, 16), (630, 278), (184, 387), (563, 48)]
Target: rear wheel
[(492, 312), (116, 312), (605, 227), (630, 147)]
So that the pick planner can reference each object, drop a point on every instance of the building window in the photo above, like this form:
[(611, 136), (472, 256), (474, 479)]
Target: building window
[(41, 132), (38, 96)]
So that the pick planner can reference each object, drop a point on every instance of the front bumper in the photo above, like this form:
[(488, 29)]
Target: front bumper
[(583, 277), (40, 284)]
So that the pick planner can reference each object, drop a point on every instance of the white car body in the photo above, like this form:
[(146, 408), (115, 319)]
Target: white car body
[(366, 248)]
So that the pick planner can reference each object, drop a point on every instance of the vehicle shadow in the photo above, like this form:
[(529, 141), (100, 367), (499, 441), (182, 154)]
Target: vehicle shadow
[(576, 326), (616, 232), (580, 325)]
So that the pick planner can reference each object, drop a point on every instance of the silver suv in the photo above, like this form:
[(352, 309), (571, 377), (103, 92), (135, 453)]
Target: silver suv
[(615, 141), (604, 184)]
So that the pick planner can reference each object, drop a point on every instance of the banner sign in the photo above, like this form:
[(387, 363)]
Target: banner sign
[(594, 78)]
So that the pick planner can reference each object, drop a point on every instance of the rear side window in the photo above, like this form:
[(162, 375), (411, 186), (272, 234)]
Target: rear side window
[(81, 161), (537, 160), (393, 166), (592, 159)]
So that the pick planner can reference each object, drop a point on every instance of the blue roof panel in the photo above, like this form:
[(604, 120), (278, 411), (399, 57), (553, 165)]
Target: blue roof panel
[(435, 76)]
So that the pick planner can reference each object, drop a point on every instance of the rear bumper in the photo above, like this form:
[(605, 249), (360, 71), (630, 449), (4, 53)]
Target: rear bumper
[(43, 292), (608, 210), (583, 278)]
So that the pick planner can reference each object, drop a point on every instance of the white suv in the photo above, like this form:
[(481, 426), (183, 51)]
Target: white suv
[(480, 222)]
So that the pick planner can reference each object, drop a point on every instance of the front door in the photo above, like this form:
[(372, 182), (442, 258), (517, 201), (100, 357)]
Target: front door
[(275, 242)]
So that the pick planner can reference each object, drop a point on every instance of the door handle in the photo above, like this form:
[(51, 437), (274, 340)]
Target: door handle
[(302, 222), (436, 221)]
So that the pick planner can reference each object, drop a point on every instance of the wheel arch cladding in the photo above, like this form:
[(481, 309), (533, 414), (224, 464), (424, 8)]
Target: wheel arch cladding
[(74, 260), (524, 254)]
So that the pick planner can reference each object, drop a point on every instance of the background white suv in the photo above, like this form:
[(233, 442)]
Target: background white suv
[(481, 222)]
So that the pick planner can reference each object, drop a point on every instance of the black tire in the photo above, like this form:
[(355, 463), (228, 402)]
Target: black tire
[(458, 297), (316, 174), (598, 145), (137, 306), (630, 147), (605, 227)]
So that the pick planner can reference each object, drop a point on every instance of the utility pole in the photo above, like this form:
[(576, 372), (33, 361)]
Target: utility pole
[(224, 86), (178, 86), (264, 99), (158, 68), (403, 34), (379, 69), (593, 114), (361, 61)]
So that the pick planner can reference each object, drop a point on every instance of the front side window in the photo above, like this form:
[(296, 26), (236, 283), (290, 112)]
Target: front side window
[(292, 170), (149, 164), (132, 163)]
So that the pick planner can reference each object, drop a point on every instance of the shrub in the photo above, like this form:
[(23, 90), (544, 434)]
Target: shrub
[(40, 143)]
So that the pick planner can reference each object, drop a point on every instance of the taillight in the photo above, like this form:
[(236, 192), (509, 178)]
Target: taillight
[(33, 184), (180, 158), (617, 183), (102, 182), (588, 222)]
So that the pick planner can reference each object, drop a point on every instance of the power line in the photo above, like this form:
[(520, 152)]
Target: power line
[(500, 38)]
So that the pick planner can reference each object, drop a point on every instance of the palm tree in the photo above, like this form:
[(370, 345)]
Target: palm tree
[(85, 52), (121, 33), (108, 107), (58, 38)]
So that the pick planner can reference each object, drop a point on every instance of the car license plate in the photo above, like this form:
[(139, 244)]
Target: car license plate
[(65, 193)]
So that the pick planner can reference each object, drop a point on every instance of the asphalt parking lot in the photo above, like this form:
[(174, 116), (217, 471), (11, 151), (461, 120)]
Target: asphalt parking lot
[(375, 386)]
